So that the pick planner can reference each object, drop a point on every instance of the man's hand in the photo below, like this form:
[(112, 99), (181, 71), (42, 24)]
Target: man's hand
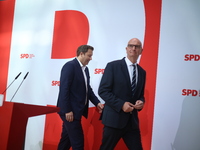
[(139, 104), (100, 107), (69, 116), (128, 107)]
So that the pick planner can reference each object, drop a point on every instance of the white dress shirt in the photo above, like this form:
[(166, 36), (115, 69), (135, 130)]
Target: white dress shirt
[(130, 69), (85, 77)]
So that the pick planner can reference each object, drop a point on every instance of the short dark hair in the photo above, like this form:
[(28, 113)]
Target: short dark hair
[(83, 49)]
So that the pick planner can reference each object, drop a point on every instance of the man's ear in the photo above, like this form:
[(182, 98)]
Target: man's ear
[(81, 53), (141, 51)]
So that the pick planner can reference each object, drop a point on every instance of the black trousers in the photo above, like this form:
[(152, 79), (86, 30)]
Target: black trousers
[(130, 136), (71, 136)]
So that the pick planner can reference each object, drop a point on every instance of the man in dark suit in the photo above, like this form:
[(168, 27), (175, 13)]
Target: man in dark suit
[(122, 101), (74, 93)]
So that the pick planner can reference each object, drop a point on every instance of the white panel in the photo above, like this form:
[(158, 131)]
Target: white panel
[(179, 36)]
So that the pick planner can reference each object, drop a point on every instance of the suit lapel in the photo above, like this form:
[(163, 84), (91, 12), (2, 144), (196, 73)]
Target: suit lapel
[(125, 72), (79, 71), (87, 74), (140, 79)]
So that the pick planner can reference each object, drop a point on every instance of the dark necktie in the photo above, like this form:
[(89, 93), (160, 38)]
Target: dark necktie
[(133, 83)]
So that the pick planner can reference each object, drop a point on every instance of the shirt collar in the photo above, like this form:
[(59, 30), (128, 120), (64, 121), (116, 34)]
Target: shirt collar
[(83, 67), (128, 62)]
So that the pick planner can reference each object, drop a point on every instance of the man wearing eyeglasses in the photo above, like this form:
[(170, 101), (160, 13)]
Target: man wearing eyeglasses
[(122, 88)]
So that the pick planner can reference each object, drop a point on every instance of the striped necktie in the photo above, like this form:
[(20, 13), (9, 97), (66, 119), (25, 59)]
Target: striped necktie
[(133, 83)]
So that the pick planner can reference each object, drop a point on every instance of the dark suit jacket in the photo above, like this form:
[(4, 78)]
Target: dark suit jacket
[(115, 90), (72, 90)]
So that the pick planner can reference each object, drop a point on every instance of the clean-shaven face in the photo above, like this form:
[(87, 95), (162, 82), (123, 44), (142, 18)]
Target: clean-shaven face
[(134, 48), (85, 58)]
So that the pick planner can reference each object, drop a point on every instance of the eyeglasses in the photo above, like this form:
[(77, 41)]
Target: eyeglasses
[(136, 46)]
